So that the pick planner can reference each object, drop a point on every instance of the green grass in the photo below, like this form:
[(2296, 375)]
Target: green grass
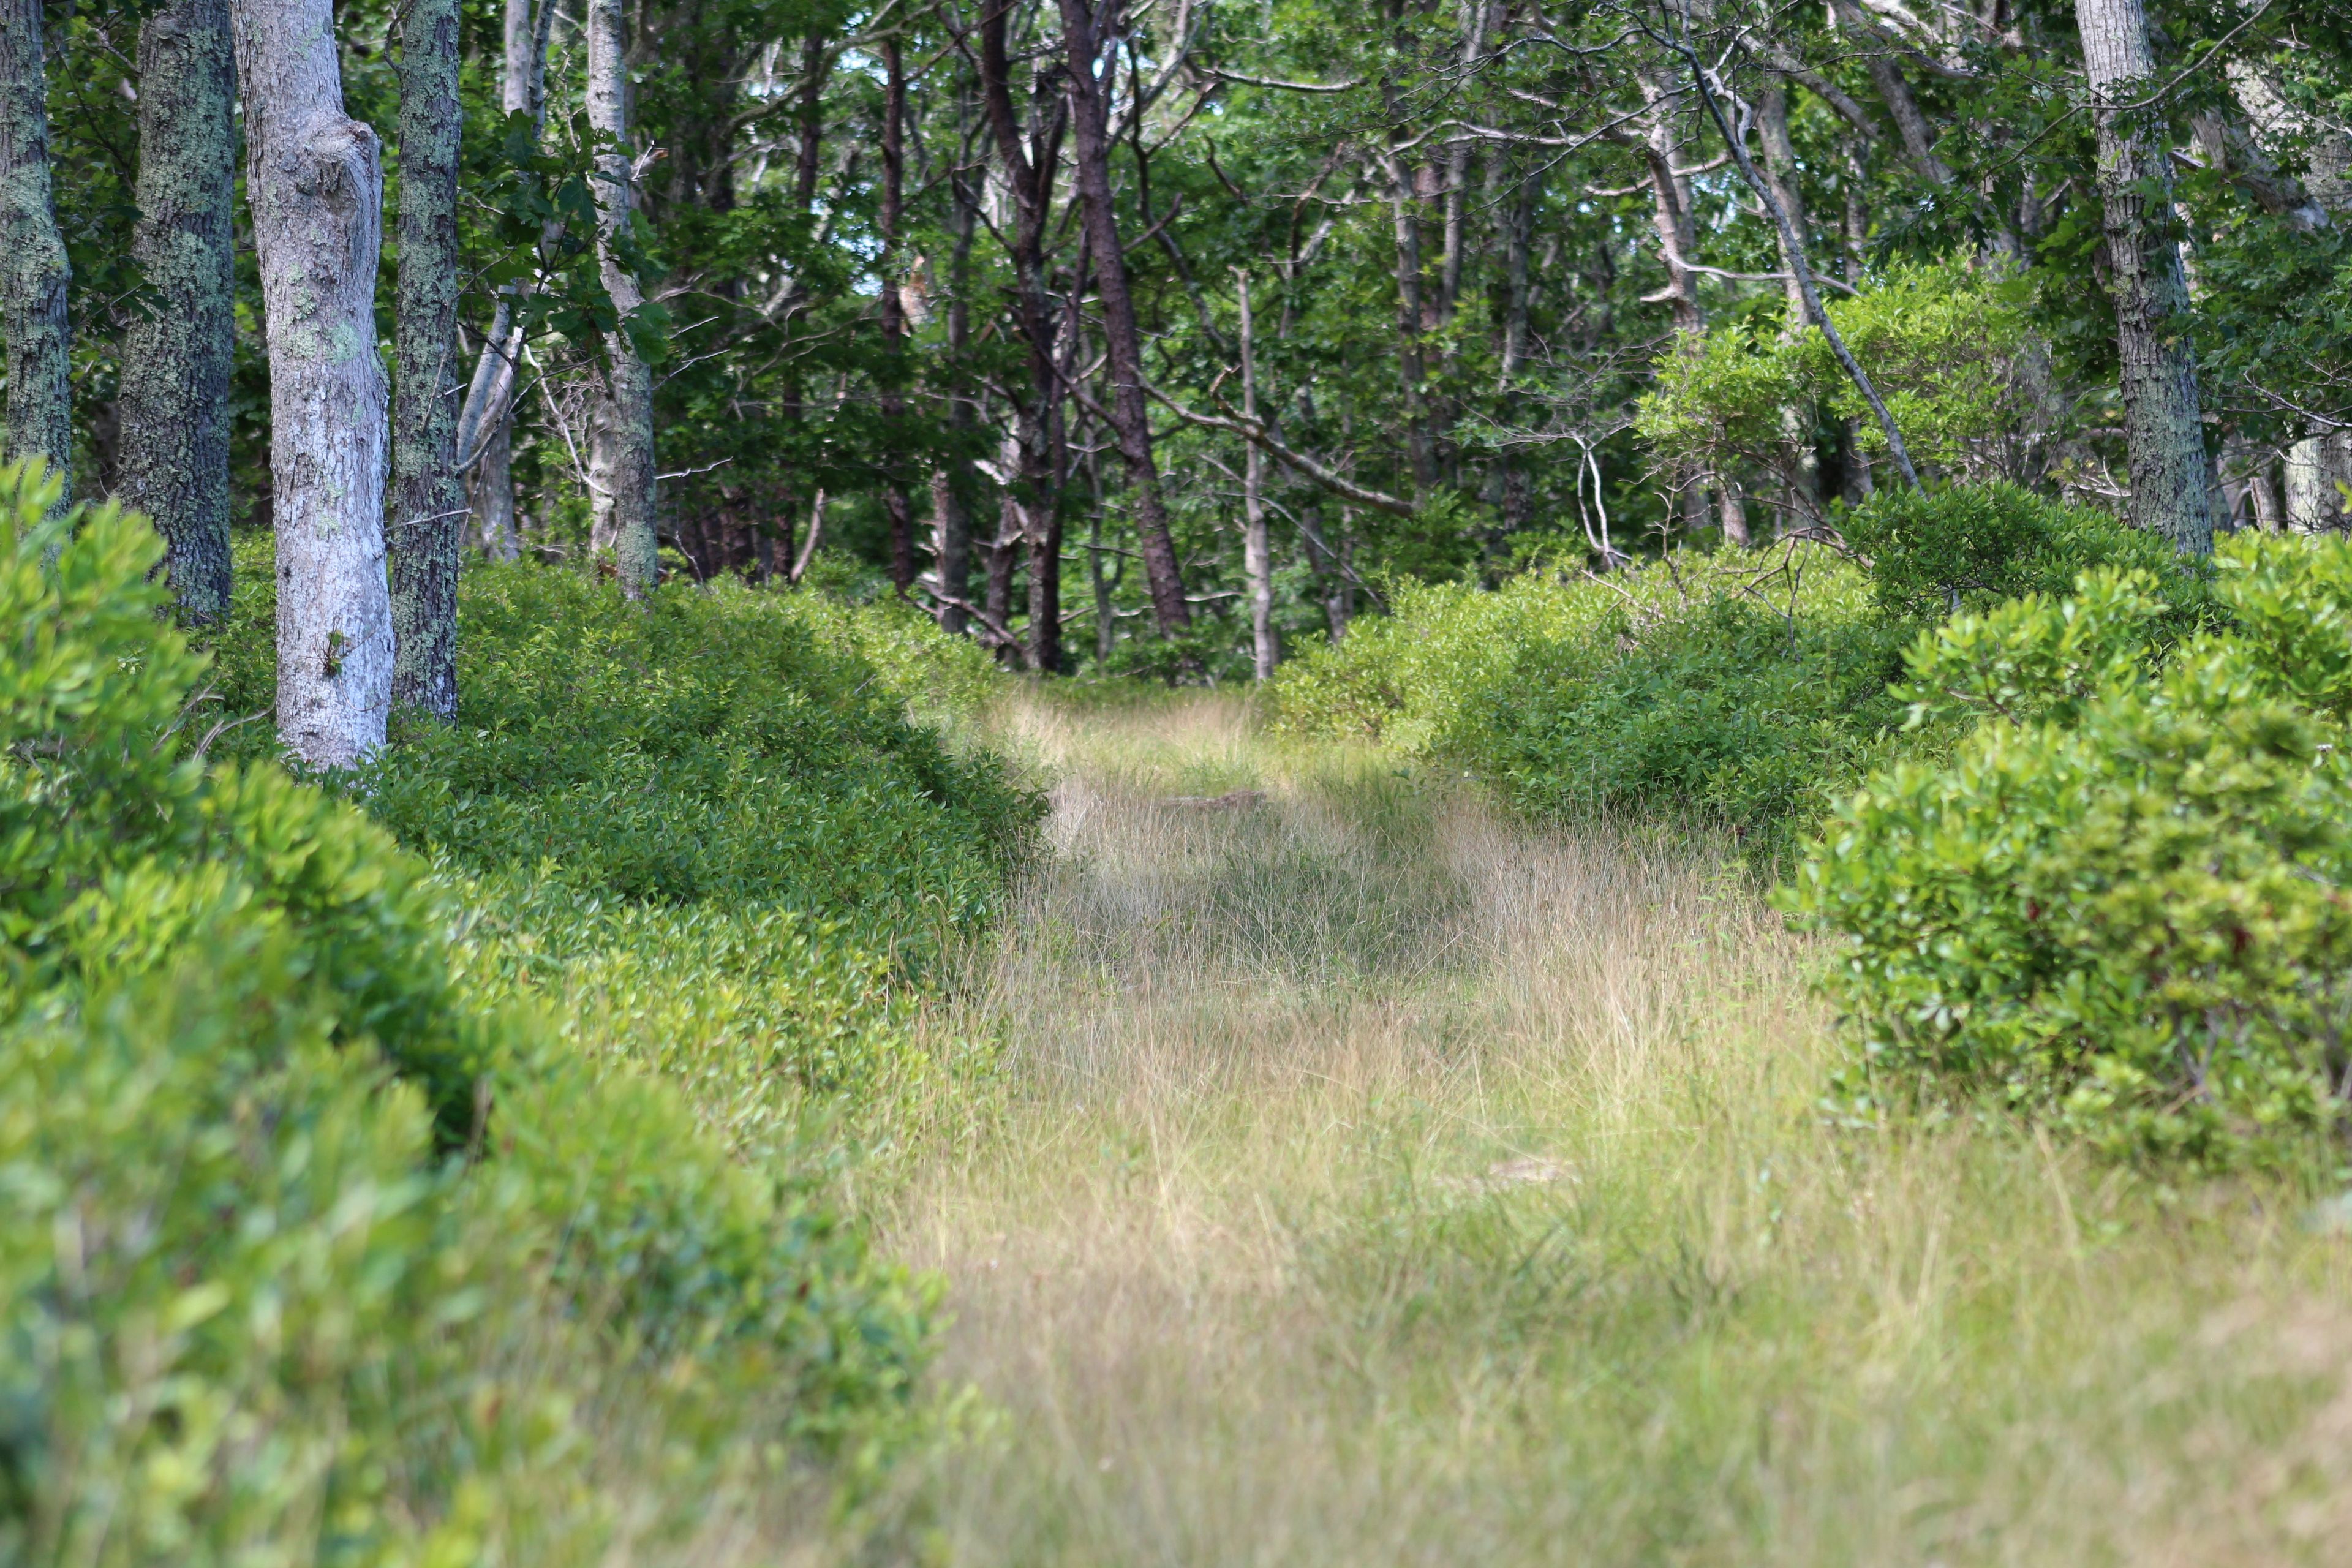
[(1515, 1233)]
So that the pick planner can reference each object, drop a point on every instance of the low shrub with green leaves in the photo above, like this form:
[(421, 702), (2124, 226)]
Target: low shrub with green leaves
[(2123, 900), (349, 1212), (711, 833), (1739, 689), (1935, 554), (1716, 689)]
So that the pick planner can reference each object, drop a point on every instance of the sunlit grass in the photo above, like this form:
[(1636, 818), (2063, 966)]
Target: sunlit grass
[(1373, 1181)]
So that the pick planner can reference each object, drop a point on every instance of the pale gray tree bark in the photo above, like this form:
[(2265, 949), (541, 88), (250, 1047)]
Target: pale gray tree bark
[(486, 425), (621, 457), (314, 181), (1257, 552), (32, 255), (2164, 436), (180, 345), (951, 522), (428, 502), (1782, 173)]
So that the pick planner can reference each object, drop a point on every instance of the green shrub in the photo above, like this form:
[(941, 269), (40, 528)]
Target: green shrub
[(1936, 554), (2121, 901), (1724, 693), (1741, 690), (319, 1239), (708, 747), (1947, 345)]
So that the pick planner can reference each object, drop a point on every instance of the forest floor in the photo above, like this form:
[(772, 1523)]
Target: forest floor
[(1374, 1181)]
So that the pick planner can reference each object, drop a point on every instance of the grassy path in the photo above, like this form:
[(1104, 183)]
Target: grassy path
[(1378, 1183)]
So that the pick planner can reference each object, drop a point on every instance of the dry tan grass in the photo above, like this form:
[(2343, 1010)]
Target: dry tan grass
[(1376, 1182)]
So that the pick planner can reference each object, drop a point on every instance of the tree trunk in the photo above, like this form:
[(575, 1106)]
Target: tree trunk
[(895, 505), (1781, 171), (33, 269), (1519, 293), (621, 460), (178, 351), (2163, 435), (489, 401), (315, 185), (1131, 418), (1257, 552), (1413, 370), (950, 521), (1031, 471), (428, 503), (1670, 206)]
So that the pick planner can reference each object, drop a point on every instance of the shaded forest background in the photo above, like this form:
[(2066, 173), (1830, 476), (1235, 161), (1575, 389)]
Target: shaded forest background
[(1482, 278)]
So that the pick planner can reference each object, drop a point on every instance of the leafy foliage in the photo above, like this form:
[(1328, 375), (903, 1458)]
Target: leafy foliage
[(1945, 344), (336, 1190), (1972, 547), (2121, 900), (1706, 692)]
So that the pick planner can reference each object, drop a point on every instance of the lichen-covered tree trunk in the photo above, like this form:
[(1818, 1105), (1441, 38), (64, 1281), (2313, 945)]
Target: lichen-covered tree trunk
[(32, 255), (2164, 436), (179, 350), (620, 466), (428, 509), (314, 179)]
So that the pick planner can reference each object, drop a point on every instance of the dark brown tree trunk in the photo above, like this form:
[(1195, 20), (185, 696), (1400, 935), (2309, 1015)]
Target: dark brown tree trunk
[(1122, 338), (177, 353), (1032, 466)]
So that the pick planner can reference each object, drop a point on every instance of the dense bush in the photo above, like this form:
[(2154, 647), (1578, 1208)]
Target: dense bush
[(320, 1238), (1936, 554), (1739, 689), (1718, 690), (708, 747), (2121, 901)]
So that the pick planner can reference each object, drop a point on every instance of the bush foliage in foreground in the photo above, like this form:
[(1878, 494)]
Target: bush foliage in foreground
[(339, 1224), (2125, 900)]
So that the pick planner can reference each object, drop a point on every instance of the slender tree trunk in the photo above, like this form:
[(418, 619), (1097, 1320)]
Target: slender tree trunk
[(620, 463), (178, 351), (1032, 466), (1519, 293), (315, 183), (428, 503), (490, 400), (895, 505), (2163, 433), (1257, 552), (1413, 371), (33, 271), (1105, 621), (1670, 206), (1123, 338), (951, 523), (1780, 172)]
